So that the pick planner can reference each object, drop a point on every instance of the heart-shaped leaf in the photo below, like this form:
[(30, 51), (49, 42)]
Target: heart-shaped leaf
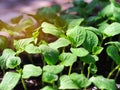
[(10, 80), (31, 71)]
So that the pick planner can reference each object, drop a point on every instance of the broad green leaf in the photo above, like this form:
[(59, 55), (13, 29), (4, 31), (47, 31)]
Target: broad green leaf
[(67, 83), (112, 30), (95, 30), (107, 11), (60, 23), (3, 42), (55, 69), (80, 80), (17, 19), (10, 80), (116, 43), (51, 55), (67, 59), (23, 25), (32, 49), (56, 8), (80, 52), (97, 50), (47, 13), (74, 22), (90, 41), (89, 59), (49, 77), (61, 42), (113, 52), (22, 43), (13, 62), (103, 83), (51, 29), (76, 35), (47, 88), (7, 53), (31, 71)]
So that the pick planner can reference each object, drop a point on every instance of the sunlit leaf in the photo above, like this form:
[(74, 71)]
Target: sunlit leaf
[(80, 80), (53, 68), (67, 83), (112, 30), (50, 55), (51, 29), (61, 42), (22, 43), (90, 41), (17, 19), (49, 77), (103, 83), (10, 80), (67, 59), (31, 71), (80, 52), (89, 59), (7, 53), (13, 62), (32, 49), (76, 35)]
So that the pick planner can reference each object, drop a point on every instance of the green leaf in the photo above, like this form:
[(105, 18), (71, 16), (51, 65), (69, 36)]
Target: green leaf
[(67, 83), (10, 80), (13, 62), (89, 59), (76, 35), (74, 22), (103, 83), (112, 30), (90, 41), (115, 43), (55, 69), (49, 77), (113, 52), (47, 13), (61, 42), (31, 71), (51, 29), (97, 50), (32, 49), (67, 59), (7, 53), (80, 52), (3, 42), (93, 69), (17, 19), (22, 43), (51, 55), (47, 88), (80, 80)]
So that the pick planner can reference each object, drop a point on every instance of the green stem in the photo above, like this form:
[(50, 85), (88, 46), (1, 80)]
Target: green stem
[(70, 69), (118, 72), (88, 74), (23, 83), (82, 70), (109, 75)]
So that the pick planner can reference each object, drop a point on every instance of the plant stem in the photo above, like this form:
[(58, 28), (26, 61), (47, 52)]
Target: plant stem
[(23, 83), (109, 75), (82, 70), (118, 72), (88, 74), (70, 69)]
